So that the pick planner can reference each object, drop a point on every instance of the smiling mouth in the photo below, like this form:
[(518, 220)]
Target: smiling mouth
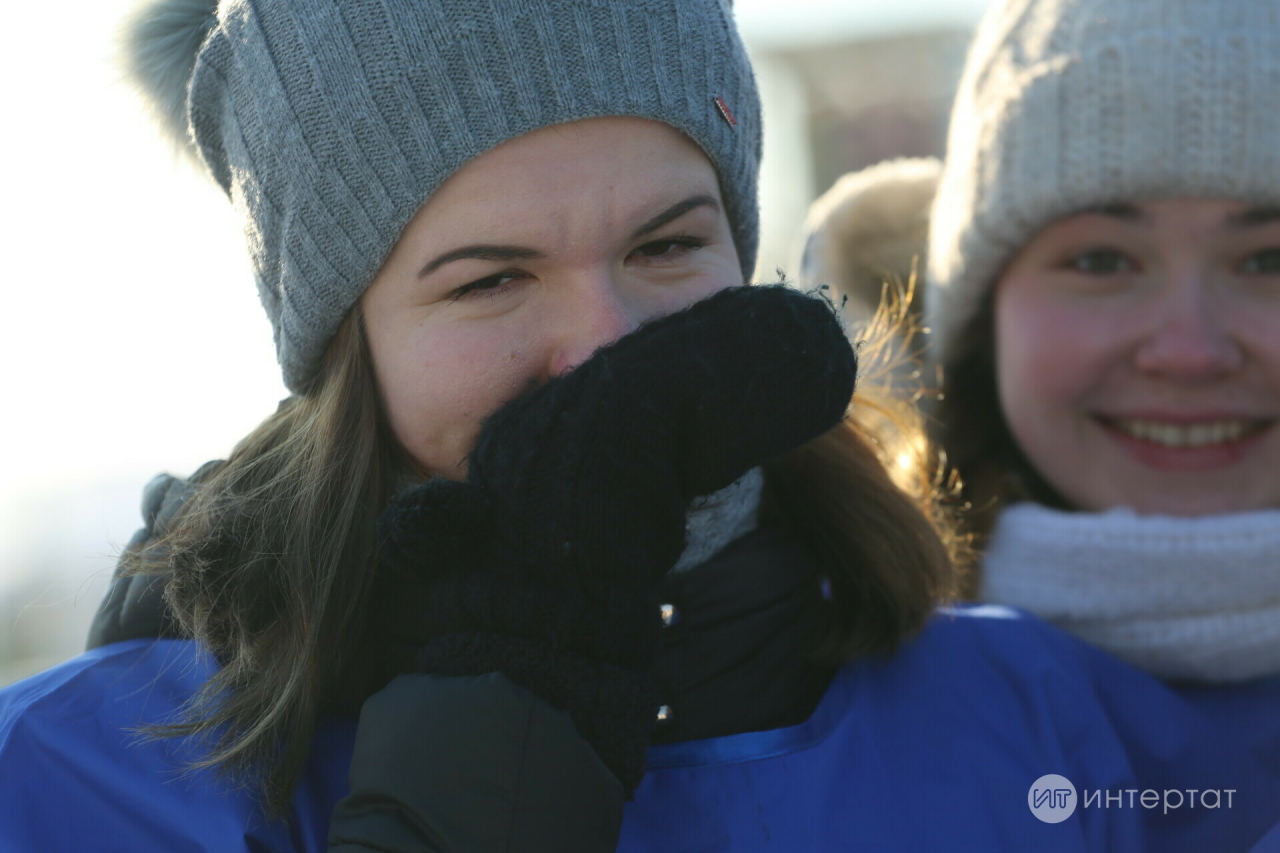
[(1203, 434)]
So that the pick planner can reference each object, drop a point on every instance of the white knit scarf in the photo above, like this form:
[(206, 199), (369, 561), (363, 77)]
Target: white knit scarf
[(1195, 599)]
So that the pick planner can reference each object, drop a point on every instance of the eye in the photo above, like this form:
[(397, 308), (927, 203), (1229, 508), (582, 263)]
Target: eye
[(489, 286), (670, 248), (1266, 262), (1101, 262)]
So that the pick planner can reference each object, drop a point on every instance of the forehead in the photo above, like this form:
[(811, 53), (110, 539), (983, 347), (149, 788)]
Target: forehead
[(581, 184), (609, 154)]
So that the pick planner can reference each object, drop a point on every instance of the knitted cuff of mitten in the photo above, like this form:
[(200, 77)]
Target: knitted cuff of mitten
[(613, 709)]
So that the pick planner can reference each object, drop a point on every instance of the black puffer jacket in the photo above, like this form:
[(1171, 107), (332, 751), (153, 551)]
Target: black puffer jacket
[(503, 770)]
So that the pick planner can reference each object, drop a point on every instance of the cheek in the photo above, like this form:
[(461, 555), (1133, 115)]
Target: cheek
[(1049, 359), (717, 270), (1260, 336), (650, 298), (705, 286), (439, 389)]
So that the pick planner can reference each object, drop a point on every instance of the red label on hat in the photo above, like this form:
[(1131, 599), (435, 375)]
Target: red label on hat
[(725, 111)]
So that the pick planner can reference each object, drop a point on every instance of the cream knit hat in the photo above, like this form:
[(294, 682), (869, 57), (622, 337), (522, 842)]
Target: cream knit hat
[(1070, 104)]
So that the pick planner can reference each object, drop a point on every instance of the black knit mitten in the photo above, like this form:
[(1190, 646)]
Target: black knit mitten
[(543, 566)]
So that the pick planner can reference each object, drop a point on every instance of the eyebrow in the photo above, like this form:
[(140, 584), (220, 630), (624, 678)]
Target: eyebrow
[(1127, 212), (1254, 216), (489, 252), (674, 212), (480, 253)]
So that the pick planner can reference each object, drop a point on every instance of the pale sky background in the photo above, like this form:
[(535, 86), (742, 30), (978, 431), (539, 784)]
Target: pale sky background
[(134, 340)]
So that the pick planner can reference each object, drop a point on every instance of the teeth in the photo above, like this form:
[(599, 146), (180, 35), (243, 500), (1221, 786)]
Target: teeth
[(1191, 435)]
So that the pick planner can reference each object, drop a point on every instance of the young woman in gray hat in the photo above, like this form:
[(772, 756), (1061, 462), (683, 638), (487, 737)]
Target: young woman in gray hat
[(561, 516), (1103, 297)]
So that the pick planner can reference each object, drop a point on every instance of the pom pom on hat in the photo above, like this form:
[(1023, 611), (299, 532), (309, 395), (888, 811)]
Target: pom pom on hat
[(159, 42)]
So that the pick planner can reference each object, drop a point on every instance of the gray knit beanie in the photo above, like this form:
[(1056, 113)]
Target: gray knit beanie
[(1070, 104), (329, 122)]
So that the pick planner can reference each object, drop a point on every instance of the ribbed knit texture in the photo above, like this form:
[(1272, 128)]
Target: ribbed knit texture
[(1069, 104), (330, 122)]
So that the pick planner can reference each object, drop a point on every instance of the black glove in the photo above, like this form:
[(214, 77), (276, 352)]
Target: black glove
[(543, 566)]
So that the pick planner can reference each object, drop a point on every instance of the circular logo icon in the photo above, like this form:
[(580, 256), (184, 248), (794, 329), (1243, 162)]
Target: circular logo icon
[(1052, 798)]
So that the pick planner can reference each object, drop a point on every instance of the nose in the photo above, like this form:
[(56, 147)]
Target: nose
[(1190, 338), (596, 314)]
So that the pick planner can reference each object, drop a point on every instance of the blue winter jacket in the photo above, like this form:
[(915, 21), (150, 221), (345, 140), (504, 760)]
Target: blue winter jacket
[(941, 747), (938, 748)]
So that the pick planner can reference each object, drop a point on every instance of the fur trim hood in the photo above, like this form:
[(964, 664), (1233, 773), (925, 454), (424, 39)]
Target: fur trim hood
[(870, 228)]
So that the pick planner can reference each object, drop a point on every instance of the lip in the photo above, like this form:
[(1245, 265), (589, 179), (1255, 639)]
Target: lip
[(1202, 458)]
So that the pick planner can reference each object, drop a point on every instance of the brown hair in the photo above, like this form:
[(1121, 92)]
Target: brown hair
[(270, 562), (888, 563), (971, 428)]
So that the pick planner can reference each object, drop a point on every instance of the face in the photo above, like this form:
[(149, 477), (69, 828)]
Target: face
[(1138, 356), (528, 259)]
